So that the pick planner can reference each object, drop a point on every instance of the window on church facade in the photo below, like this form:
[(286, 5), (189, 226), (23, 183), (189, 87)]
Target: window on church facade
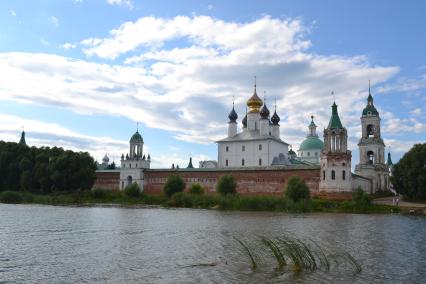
[(136, 165), (242, 162), (243, 148), (370, 155), (343, 175), (260, 162), (226, 162), (227, 148), (333, 175), (130, 165), (323, 175), (260, 147), (309, 153), (316, 154)]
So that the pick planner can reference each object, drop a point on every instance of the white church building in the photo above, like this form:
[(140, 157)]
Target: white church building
[(258, 144)]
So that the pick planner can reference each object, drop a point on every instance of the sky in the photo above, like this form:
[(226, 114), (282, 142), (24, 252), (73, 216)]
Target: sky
[(81, 74)]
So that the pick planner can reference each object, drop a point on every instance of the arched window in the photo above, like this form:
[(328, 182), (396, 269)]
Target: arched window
[(260, 162), (260, 147), (323, 175), (136, 165), (130, 165), (226, 162), (370, 156), (129, 180), (316, 154), (370, 130), (243, 148), (343, 175), (227, 148), (333, 175), (242, 162), (309, 153)]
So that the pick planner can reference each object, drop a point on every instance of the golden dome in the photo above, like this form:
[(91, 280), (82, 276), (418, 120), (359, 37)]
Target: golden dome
[(254, 103)]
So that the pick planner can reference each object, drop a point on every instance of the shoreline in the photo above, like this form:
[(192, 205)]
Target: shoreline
[(209, 202)]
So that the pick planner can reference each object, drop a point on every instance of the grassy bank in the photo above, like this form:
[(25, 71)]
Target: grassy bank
[(186, 200)]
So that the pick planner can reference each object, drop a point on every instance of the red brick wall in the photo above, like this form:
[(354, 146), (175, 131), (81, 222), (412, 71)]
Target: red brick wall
[(248, 181), (107, 180)]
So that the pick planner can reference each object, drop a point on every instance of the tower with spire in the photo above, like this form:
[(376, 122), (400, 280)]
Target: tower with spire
[(134, 163), (335, 161), (372, 148), (22, 140), (259, 143)]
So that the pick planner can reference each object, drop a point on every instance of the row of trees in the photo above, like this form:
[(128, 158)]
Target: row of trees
[(409, 174), (44, 170)]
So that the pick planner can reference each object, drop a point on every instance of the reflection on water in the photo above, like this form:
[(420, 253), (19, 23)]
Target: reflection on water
[(47, 244)]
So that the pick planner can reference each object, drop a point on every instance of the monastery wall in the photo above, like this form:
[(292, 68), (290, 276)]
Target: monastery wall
[(249, 181)]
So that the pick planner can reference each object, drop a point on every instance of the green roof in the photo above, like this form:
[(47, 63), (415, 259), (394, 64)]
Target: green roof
[(370, 109), (311, 143), (136, 137), (335, 119)]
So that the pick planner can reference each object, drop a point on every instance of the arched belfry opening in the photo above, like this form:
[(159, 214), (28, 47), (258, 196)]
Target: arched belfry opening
[(370, 130), (370, 157)]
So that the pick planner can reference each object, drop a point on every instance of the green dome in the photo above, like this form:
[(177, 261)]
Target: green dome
[(136, 137), (311, 143)]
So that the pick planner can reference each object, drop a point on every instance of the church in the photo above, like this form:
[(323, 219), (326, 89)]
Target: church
[(261, 161)]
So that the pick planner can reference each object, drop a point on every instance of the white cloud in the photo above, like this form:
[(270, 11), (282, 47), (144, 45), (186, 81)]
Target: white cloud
[(416, 111), (12, 12), (68, 45), (54, 21), (187, 88), (210, 7), (44, 42), (127, 3)]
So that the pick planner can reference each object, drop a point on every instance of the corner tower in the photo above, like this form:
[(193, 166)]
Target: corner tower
[(372, 148), (335, 158)]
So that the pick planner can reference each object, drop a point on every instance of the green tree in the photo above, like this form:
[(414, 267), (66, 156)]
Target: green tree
[(296, 189), (361, 199), (409, 174), (196, 188), (132, 190), (226, 185), (174, 184)]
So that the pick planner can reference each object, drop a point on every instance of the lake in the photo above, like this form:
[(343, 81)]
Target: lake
[(54, 244)]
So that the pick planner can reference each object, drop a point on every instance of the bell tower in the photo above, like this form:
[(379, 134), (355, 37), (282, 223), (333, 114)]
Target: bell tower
[(335, 158), (372, 148)]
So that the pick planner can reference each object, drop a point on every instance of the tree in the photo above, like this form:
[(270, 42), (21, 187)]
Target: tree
[(296, 189), (174, 184), (196, 188), (361, 199), (226, 185), (132, 190), (409, 174)]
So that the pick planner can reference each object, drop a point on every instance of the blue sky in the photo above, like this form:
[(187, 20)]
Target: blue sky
[(80, 74)]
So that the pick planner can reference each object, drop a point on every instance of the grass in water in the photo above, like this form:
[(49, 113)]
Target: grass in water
[(300, 255)]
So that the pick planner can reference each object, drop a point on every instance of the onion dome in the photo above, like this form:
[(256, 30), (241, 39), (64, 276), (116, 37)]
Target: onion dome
[(311, 143), (233, 115), (136, 137), (264, 112), (254, 103), (244, 121), (275, 118), (335, 122), (105, 159)]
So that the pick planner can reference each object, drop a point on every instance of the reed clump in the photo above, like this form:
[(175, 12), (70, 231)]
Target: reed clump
[(293, 254)]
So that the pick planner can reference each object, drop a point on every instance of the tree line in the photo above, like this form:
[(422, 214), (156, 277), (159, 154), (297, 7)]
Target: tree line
[(44, 170)]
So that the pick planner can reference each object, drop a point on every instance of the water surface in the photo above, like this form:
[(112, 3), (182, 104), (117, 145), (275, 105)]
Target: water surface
[(53, 244)]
